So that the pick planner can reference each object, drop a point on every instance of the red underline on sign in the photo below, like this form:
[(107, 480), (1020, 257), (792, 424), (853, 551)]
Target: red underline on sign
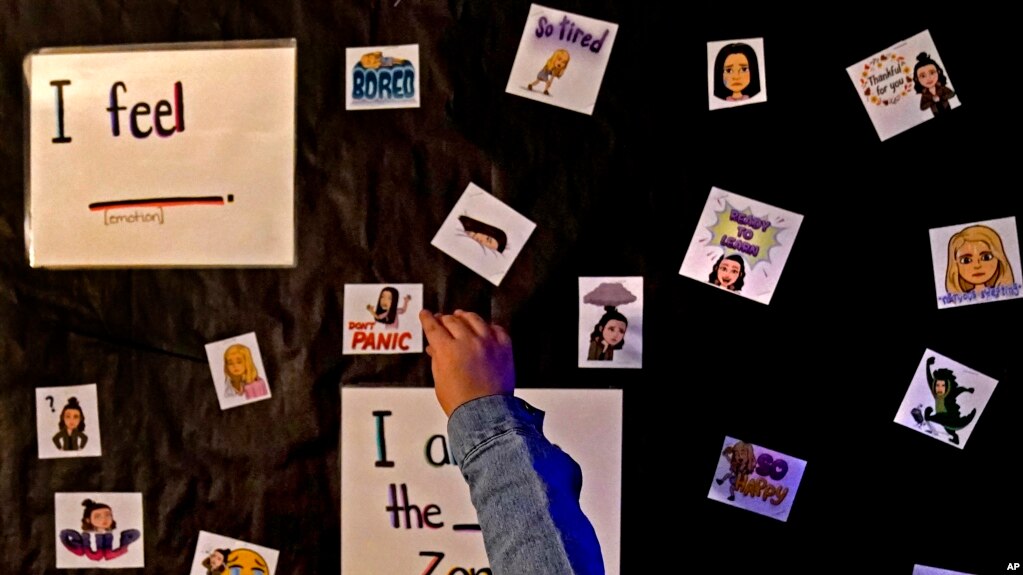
[(161, 202)]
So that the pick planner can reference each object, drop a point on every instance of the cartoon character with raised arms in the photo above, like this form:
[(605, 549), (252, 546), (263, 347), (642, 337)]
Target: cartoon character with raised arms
[(946, 411), (387, 311)]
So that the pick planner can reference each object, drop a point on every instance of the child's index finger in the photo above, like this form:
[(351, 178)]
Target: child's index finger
[(435, 331)]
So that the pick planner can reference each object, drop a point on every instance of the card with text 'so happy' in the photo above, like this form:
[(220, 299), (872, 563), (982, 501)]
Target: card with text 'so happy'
[(562, 58)]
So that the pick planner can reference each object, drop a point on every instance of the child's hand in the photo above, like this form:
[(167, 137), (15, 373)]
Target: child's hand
[(471, 358)]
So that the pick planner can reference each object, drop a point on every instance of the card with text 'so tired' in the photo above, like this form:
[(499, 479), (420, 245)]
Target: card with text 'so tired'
[(562, 58)]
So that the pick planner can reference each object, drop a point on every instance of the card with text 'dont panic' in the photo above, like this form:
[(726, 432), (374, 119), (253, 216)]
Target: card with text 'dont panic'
[(383, 318), (161, 155), (757, 479), (405, 507), (562, 58)]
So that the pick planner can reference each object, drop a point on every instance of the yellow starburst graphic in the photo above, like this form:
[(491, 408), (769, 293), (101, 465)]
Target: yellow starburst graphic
[(738, 232)]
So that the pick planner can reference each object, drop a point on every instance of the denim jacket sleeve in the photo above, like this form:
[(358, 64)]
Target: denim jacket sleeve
[(525, 490)]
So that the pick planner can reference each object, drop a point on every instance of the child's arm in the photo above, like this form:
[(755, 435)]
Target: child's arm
[(525, 489)]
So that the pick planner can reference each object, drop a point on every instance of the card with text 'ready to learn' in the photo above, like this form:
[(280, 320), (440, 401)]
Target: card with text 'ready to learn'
[(976, 263), (484, 234), (741, 245), (561, 59), (945, 399), (756, 479), (381, 77), (67, 421), (736, 73), (904, 86), (611, 322), (219, 555), (405, 507), (924, 570), (238, 373), (162, 155), (383, 318), (99, 530)]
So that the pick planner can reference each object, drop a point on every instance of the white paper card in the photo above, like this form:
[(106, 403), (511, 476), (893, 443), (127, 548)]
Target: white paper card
[(561, 59), (381, 77), (162, 157), (945, 399), (904, 86), (610, 322), (976, 263), (394, 452), (239, 377), (483, 233), (741, 245), (383, 318), (99, 530), (736, 73), (67, 421)]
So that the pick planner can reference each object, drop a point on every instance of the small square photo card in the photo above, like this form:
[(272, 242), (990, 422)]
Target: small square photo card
[(484, 234), (756, 479), (219, 555), (924, 570), (67, 421), (741, 245), (99, 530), (904, 86), (381, 77), (611, 322), (383, 318), (976, 263), (736, 73), (945, 399), (561, 59), (238, 373)]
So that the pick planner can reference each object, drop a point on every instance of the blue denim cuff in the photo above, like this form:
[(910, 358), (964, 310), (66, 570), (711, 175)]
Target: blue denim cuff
[(474, 422)]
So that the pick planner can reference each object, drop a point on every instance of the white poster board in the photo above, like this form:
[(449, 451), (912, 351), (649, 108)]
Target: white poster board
[(99, 530), (397, 437), (162, 155)]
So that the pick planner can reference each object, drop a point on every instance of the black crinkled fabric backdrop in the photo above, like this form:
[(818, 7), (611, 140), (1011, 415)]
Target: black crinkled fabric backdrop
[(818, 374)]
